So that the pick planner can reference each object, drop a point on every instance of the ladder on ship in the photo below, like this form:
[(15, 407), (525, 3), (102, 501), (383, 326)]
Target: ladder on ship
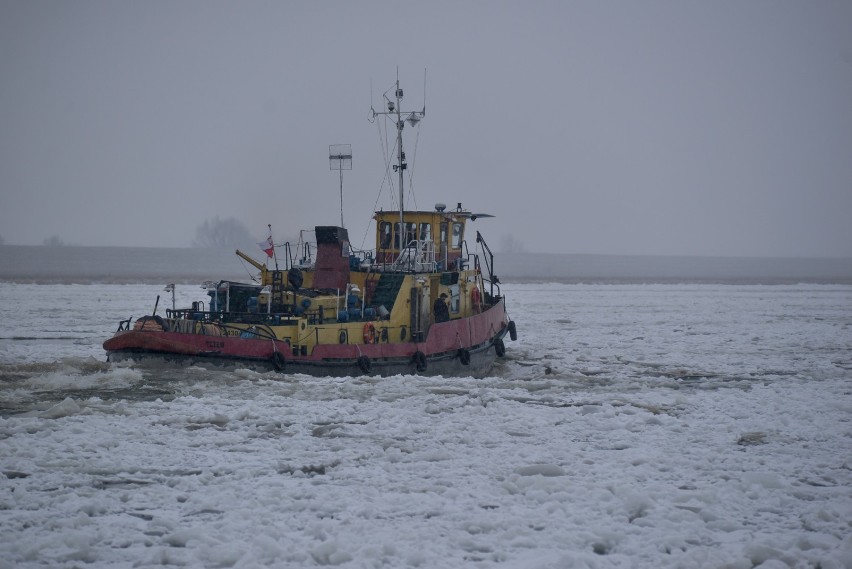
[(387, 289)]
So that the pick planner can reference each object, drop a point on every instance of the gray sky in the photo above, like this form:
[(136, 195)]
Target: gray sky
[(697, 128)]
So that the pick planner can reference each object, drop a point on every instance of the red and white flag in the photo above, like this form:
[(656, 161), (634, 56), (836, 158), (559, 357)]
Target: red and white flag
[(267, 246)]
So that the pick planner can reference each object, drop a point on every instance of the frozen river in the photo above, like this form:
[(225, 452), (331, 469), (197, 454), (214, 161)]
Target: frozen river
[(629, 426)]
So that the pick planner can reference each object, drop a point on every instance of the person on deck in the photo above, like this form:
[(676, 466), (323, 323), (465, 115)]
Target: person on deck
[(440, 308)]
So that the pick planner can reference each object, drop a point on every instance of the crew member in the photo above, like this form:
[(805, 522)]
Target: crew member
[(440, 308)]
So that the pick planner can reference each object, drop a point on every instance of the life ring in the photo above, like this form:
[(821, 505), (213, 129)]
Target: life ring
[(278, 361), (464, 356), (419, 359), (513, 331), (370, 336), (365, 365), (476, 299), (499, 347)]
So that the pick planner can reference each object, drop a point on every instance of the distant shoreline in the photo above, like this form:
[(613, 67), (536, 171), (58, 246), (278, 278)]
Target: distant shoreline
[(125, 265)]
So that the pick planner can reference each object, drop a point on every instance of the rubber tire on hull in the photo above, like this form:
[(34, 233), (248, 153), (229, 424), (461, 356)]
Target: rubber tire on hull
[(499, 347), (295, 278), (464, 356), (419, 359), (278, 361), (513, 331), (365, 365)]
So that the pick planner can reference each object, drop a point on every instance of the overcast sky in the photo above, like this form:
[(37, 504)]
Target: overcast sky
[(695, 128)]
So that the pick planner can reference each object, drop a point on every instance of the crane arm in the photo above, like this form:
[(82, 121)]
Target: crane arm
[(256, 264)]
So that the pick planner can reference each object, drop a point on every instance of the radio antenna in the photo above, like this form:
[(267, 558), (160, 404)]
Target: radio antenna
[(393, 104), (340, 158)]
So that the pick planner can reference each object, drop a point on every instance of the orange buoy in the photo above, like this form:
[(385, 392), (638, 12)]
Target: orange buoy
[(370, 336)]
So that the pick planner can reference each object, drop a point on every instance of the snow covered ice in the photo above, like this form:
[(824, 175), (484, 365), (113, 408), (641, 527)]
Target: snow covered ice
[(630, 426)]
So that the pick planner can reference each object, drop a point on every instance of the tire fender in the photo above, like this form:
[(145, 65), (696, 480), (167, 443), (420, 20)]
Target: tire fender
[(499, 347), (278, 361), (513, 331), (419, 359)]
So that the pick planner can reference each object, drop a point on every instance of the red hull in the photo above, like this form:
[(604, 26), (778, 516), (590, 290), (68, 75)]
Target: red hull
[(476, 334)]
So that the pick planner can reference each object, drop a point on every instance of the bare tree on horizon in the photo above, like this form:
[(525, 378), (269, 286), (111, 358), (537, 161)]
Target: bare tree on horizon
[(222, 233), (53, 241)]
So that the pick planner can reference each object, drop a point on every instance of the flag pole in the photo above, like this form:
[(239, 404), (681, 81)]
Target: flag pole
[(271, 242)]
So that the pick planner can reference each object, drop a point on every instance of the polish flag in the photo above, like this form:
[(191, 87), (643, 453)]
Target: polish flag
[(267, 246)]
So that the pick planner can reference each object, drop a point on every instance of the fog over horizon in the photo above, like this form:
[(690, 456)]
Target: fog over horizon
[(620, 128)]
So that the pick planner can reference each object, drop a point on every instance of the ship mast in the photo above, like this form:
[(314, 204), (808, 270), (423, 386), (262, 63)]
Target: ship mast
[(395, 113)]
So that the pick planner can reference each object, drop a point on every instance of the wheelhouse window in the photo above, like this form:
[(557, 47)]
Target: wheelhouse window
[(458, 230), (425, 231), (386, 234), (410, 234)]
